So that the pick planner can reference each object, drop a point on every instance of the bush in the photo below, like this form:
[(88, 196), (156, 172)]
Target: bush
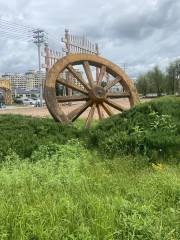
[(151, 129), (148, 129), (25, 134)]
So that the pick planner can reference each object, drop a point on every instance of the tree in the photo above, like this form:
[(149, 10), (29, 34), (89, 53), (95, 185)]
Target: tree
[(142, 85), (156, 81), (157, 78), (173, 77), (153, 81)]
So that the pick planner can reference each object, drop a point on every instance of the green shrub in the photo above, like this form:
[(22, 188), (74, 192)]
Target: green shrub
[(149, 128), (25, 134)]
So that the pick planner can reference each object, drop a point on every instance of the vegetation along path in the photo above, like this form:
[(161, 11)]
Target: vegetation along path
[(118, 180)]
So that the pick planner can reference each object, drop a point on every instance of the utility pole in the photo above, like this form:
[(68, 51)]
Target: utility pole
[(39, 40)]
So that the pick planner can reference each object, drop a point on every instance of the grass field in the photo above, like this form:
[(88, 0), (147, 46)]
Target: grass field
[(57, 182)]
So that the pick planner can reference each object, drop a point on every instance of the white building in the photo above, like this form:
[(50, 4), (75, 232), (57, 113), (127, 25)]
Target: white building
[(17, 80), (33, 79), (28, 81)]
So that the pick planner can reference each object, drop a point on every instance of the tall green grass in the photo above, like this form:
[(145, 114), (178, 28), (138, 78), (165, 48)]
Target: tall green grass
[(66, 192), (54, 184)]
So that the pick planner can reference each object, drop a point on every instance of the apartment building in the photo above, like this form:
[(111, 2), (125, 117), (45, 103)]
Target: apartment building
[(33, 79), (17, 80), (27, 81)]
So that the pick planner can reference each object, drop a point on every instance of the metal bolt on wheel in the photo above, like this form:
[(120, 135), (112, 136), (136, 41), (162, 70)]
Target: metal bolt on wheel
[(90, 91)]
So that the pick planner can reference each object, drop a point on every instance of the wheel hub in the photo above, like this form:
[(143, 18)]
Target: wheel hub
[(98, 94)]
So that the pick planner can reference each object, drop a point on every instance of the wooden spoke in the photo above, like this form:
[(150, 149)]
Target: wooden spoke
[(100, 112), (62, 99), (97, 74), (115, 105), (88, 72), (119, 95), (90, 116), (112, 83), (107, 109), (77, 76), (71, 85), (77, 112), (101, 75)]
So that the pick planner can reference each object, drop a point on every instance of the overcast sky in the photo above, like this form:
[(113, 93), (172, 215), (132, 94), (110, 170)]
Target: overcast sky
[(139, 33)]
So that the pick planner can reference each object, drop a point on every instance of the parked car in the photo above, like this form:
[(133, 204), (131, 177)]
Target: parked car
[(18, 100), (2, 105), (33, 101), (26, 101), (29, 101)]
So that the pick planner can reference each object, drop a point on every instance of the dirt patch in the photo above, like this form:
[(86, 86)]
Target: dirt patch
[(43, 112)]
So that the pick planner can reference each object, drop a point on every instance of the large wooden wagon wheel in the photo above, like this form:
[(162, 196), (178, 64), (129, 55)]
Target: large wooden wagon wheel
[(89, 89)]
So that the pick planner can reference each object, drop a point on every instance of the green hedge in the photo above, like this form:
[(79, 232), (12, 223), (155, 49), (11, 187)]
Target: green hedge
[(25, 134), (151, 129)]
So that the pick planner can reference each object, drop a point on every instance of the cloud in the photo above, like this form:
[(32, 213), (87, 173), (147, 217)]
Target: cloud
[(139, 33), (135, 21)]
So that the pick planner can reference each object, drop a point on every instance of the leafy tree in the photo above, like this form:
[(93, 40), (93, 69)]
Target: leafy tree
[(153, 81), (173, 75), (142, 85), (157, 78)]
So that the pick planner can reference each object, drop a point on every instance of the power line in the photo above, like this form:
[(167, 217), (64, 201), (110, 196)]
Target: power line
[(14, 31), (13, 37), (16, 24)]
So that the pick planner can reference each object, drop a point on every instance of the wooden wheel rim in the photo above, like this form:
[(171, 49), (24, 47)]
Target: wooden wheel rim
[(78, 59)]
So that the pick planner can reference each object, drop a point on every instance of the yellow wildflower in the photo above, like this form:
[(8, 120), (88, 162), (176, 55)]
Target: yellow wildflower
[(158, 166)]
